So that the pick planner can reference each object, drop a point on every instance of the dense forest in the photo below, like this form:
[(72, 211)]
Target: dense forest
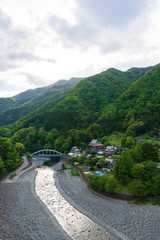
[(136, 172), (137, 109), (12, 109), (10, 155), (73, 112)]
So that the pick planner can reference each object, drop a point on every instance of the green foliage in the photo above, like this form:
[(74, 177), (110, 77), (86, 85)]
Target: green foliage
[(148, 201), (128, 142), (145, 152), (81, 159), (154, 184), (149, 152), (9, 157), (74, 173), (93, 182), (123, 168), (101, 162), (110, 185), (50, 138), (33, 101), (137, 109), (138, 188), (139, 168), (7, 103), (20, 148), (103, 183), (29, 156)]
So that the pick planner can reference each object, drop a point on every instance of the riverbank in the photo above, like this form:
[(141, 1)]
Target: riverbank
[(76, 224), (116, 216), (23, 214)]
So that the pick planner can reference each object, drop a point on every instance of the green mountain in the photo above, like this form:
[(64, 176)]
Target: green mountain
[(97, 105), (30, 100), (138, 108), (19, 99), (84, 104), (28, 95), (7, 103)]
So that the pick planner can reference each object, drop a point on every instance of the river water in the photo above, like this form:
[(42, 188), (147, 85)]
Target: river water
[(51, 205), (76, 225)]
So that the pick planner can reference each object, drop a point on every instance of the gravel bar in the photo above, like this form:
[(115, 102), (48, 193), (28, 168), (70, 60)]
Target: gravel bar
[(121, 218), (23, 216)]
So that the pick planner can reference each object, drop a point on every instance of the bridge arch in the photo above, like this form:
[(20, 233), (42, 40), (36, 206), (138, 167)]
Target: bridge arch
[(46, 153)]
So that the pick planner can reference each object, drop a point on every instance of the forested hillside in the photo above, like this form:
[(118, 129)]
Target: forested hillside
[(10, 155), (30, 100), (70, 118), (84, 104), (7, 103), (137, 109)]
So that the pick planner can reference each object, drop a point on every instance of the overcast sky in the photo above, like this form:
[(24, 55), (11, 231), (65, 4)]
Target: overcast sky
[(43, 41)]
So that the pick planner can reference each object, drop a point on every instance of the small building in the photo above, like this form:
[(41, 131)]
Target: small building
[(110, 150), (75, 152), (109, 161), (100, 153), (95, 144)]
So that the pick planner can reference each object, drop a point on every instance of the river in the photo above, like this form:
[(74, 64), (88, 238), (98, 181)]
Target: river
[(49, 204)]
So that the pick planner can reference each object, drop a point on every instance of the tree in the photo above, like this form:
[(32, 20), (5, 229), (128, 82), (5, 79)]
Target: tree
[(2, 167), (81, 159), (123, 167), (110, 185), (130, 133), (20, 148), (149, 152), (129, 142), (150, 170), (138, 188), (101, 163), (51, 137), (1, 163), (101, 181), (96, 130), (155, 184), (93, 182), (138, 170), (65, 147), (59, 142)]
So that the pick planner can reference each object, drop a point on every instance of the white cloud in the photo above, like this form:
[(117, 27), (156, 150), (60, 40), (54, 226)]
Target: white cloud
[(51, 40)]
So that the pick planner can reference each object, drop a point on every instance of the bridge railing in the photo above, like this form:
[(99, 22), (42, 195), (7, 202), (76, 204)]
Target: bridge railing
[(46, 152)]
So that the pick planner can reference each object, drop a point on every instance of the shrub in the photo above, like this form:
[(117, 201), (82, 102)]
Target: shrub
[(74, 173), (110, 185), (137, 188)]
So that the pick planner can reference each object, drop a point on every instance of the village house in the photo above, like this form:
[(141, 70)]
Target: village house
[(94, 144), (75, 152), (109, 161), (110, 150)]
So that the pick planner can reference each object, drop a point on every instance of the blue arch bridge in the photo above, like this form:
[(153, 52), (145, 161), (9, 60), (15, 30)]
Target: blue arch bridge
[(46, 153)]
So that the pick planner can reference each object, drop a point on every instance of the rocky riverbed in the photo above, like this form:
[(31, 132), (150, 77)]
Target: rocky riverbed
[(66, 209), (124, 219), (22, 215), (76, 224)]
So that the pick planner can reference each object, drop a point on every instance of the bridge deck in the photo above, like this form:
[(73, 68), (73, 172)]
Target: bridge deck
[(45, 156)]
